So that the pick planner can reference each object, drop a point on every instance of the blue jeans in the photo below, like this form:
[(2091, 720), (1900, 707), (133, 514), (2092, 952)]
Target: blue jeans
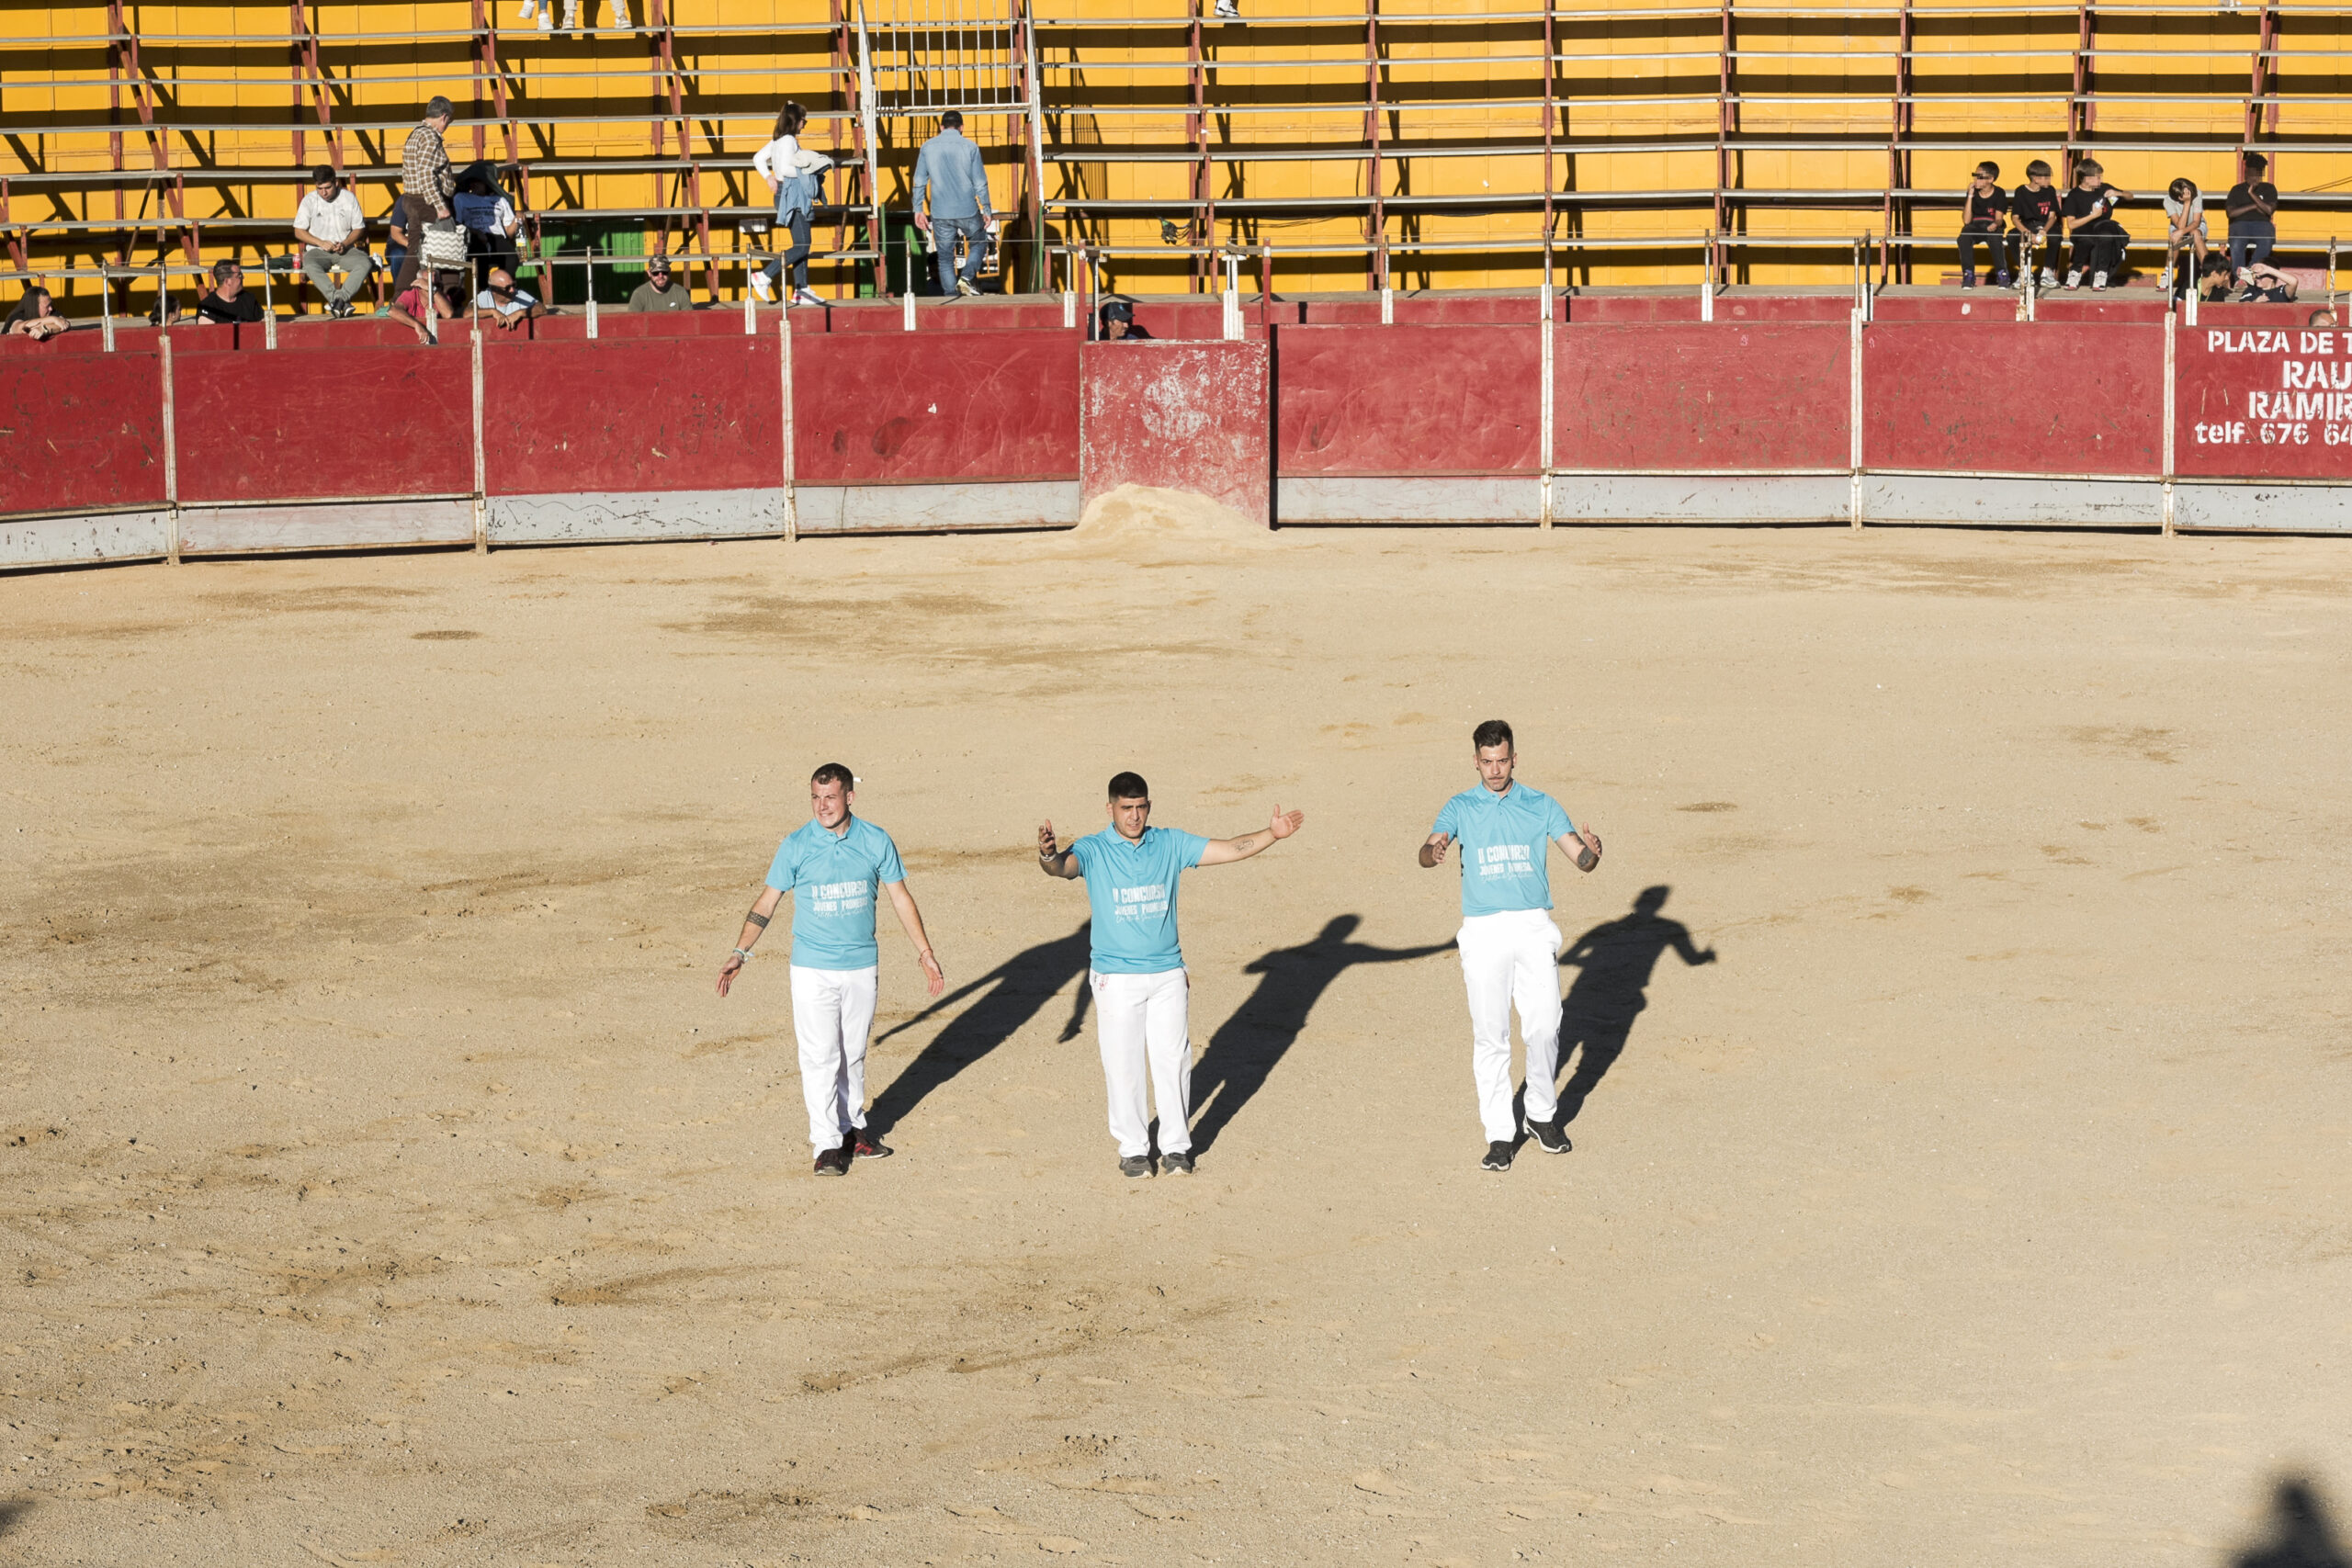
[(2249, 246), (975, 232), (795, 258)]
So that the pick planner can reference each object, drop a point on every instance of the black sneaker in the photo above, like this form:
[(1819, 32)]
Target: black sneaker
[(1135, 1165), (1549, 1137), (1176, 1165), (834, 1162), (1497, 1156), (862, 1146)]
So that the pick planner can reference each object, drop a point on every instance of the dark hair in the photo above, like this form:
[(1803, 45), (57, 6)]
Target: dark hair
[(2090, 167), (2323, 317), (834, 772), (2182, 190), (2037, 167), (28, 308), (323, 174), (2255, 162), (1129, 786), (440, 108), (789, 120), (1494, 732), (223, 268), (952, 120), (1989, 169)]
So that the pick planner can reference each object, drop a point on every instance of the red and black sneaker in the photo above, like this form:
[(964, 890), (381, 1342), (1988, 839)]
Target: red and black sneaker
[(863, 1145), (834, 1162)]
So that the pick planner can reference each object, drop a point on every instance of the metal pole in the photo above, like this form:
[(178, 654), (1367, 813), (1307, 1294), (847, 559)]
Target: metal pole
[(873, 146)]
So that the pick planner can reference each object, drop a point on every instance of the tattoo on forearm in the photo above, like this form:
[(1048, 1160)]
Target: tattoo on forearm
[(758, 919), (1586, 859)]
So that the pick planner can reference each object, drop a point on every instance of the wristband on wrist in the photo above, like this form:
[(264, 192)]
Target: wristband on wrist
[(743, 952)]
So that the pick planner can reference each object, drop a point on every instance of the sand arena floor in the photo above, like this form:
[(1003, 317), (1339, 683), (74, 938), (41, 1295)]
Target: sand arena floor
[(385, 1183)]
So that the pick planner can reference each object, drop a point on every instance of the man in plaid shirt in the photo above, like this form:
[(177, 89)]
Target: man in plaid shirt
[(425, 162)]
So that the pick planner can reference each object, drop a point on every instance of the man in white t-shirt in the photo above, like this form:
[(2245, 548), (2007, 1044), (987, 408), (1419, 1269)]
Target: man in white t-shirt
[(334, 239)]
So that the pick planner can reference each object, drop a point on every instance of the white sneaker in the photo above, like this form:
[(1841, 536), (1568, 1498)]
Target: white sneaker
[(617, 20), (1229, 10), (570, 15), (2049, 278), (806, 297), (964, 288), (526, 10), (763, 288), (2098, 280), (546, 17), (2073, 281)]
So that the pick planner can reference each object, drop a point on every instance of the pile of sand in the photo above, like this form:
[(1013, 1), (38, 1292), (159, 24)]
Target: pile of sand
[(1135, 520)]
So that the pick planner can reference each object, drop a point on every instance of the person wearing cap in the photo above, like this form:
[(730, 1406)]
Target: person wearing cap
[(1119, 323), (657, 292)]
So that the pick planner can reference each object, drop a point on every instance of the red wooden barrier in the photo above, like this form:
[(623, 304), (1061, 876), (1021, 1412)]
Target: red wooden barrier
[(323, 424), (1405, 310), (1183, 415), (81, 432), (934, 407), (2263, 402), (666, 413), (1417, 400), (934, 316), (2014, 396), (1718, 395)]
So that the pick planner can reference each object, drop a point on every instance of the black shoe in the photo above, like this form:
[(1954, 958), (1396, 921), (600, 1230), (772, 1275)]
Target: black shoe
[(861, 1146), (1498, 1157), (1549, 1137), (1176, 1165), (1135, 1165), (834, 1162)]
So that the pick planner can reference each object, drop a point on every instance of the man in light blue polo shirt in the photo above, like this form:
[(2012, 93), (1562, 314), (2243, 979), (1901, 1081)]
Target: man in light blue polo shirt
[(1511, 949), (1141, 993), (831, 866)]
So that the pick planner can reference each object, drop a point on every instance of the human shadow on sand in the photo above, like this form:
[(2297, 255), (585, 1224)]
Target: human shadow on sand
[(1614, 960), (1246, 1047), (2301, 1533), (1008, 997)]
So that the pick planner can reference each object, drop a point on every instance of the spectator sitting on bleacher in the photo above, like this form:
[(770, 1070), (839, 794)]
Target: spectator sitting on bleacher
[(2252, 203), (335, 235), (657, 292), (489, 221), (2265, 282), (949, 167), (1119, 323), (228, 301), (2098, 239), (1983, 217), (424, 161), (2184, 231), (2033, 209), (2214, 279), (513, 307), (793, 172), (36, 316)]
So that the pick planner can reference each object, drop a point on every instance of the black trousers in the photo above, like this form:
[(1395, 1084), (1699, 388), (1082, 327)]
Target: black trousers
[(2098, 246), (1985, 233)]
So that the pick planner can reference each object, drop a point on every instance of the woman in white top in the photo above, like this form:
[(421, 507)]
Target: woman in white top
[(2184, 228), (792, 172)]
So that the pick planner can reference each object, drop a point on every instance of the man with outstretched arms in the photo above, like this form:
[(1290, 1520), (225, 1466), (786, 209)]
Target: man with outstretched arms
[(1511, 949), (832, 865), (1136, 969)]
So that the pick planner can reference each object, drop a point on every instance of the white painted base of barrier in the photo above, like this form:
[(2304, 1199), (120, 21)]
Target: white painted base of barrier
[(649, 514), (1701, 498), (857, 509), (1310, 502), (324, 525), (70, 541), (2012, 502), (2301, 509)]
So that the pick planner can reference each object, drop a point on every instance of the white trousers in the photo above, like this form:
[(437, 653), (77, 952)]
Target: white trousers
[(833, 1012), (1510, 959), (1144, 1025)]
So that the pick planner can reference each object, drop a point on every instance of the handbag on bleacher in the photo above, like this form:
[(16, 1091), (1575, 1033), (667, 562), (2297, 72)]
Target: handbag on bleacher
[(444, 246)]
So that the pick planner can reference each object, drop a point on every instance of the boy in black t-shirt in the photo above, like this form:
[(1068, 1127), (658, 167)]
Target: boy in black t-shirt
[(2252, 202), (2033, 209), (1983, 214), (2098, 239)]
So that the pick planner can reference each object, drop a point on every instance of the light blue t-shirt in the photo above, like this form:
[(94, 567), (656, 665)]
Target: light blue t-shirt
[(1133, 890), (1504, 840), (831, 878)]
